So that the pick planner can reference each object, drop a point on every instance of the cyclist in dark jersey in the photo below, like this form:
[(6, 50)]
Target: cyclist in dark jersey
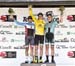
[(29, 37)]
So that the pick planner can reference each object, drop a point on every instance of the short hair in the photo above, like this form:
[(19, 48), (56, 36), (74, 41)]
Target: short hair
[(29, 17), (40, 14), (49, 15)]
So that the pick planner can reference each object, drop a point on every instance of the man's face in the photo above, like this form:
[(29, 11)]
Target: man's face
[(40, 17), (49, 18), (30, 20)]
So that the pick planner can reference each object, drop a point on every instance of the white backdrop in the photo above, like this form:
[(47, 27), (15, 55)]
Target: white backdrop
[(61, 48)]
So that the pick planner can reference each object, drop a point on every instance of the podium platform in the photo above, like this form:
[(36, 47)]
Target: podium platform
[(39, 64)]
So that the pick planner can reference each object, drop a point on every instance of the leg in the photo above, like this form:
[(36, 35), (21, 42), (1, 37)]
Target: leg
[(47, 47), (47, 53), (36, 54), (52, 50), (26, 45), (41, 53), (31, 48), (30, 53), (52, 53), (41, 50), (26, 49), (47, 39), (41, 47), (36, 49), (26, 54)]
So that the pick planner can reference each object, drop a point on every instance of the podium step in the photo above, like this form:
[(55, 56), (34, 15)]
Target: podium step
[(51, 64)]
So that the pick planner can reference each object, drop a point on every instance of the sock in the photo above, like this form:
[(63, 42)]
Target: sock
[(40, 57), (47, 57), (52, 57), (26, 58), (36, 57), (30, 58)]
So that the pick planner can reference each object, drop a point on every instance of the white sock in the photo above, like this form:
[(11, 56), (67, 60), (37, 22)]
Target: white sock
[(26, 58), (30, 58)]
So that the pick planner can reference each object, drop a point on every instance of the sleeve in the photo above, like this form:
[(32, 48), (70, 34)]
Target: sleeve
[(56, 21), (20, 23), (31, 14)]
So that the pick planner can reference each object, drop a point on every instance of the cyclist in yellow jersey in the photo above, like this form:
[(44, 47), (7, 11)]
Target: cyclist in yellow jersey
[(39, 34)]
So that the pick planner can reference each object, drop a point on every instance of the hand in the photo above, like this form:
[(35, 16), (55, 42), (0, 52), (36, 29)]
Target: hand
[(30, 6), (14, 19)]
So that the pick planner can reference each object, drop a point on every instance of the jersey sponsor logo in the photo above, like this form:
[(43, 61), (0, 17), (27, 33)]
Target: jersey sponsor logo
[(30, 26), (39, 25)]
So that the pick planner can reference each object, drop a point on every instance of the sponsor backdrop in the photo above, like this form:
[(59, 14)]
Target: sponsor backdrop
[(12, 38)]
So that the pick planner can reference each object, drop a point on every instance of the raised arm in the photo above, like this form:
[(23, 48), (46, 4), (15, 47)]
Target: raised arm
[(20, 23), (61, 18), (31, 13)]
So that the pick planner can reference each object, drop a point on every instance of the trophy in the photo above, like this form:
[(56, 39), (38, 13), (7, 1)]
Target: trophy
[(61, 9), (11, 13)]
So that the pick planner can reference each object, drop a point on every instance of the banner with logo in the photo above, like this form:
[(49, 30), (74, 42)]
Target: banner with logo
[(12, 36)]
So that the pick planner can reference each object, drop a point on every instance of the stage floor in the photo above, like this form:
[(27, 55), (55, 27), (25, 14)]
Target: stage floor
[(39, 64)]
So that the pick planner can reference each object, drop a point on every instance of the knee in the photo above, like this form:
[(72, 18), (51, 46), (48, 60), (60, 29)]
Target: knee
[(41, 46), (47, 46)]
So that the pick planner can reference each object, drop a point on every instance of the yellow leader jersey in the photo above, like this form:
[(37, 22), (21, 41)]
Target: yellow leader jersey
[(39, 24)]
